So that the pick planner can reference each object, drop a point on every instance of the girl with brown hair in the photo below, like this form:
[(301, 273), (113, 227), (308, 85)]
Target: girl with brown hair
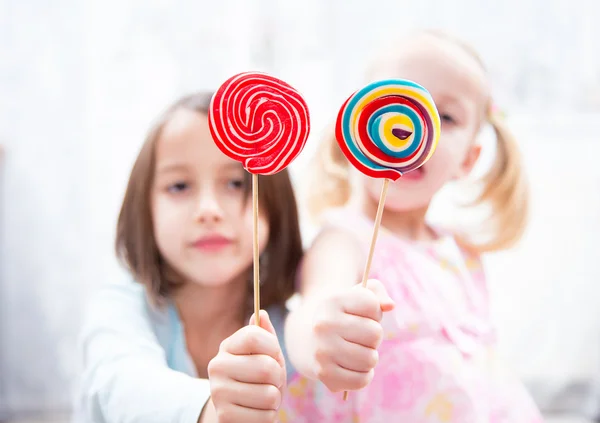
[(151, 344)]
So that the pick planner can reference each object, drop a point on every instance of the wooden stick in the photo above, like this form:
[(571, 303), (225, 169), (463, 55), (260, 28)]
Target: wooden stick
[(380, 208), (256, 249)]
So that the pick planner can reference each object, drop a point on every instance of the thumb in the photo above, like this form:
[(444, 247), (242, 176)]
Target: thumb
[(265, 321), (387, 304)]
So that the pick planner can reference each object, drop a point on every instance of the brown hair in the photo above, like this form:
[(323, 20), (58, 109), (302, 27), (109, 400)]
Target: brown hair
[(504, 190), (136, 247)]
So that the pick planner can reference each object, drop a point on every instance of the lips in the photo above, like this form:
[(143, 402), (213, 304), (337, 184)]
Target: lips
[(415, 175), (212, 243)]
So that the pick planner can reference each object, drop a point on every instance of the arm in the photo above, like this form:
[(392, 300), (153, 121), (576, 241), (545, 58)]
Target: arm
[(209, 414), (333, 264), (125, 377)]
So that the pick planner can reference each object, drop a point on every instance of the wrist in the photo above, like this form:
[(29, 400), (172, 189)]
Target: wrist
[(299, 339), (208, 413)]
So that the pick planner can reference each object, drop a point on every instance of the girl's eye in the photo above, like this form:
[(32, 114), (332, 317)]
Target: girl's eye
[(446, 118), (235, 184), (177, 187)]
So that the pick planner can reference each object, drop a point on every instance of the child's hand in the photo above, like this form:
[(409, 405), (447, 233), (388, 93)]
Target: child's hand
[(248, 375), (347, 332)]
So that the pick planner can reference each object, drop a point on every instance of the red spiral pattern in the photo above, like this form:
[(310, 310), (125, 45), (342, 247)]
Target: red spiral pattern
[(260, 121)]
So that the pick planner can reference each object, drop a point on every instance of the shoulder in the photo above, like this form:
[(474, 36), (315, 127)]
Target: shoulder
[(467, 257), (121, 306), (347, 219), (471, 256), (117, 298), (333, 247), (340, 231)]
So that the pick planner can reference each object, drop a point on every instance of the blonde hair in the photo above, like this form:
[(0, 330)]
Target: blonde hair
[(504, 188)]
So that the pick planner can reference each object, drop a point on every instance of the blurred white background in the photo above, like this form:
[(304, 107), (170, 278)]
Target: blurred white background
[(80, 81)]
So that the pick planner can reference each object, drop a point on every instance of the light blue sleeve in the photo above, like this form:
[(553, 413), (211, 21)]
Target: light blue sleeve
[(125, 376)]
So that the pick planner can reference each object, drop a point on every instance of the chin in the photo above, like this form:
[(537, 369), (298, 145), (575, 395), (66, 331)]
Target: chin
[(404, 206), (218, 276), (219, 280), (404, 200)]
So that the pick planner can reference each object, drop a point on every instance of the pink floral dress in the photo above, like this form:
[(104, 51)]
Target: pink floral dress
[(437, 361)]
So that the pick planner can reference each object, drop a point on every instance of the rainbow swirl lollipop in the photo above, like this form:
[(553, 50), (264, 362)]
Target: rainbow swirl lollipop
[(388, 128), (260, 121)]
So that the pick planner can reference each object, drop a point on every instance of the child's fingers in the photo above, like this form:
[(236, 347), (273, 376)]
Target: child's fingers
[(353, 357), (234, 413), (251, 340), (361, 331), (380, 292), (363, 303), (265, 321), (338, 379), (247, 395), (257, 369)]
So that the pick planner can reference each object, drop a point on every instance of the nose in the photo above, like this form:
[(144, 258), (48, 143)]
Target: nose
[(208, 209)]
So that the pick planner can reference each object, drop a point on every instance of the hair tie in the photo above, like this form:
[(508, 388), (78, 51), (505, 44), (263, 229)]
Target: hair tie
[(495, 112)]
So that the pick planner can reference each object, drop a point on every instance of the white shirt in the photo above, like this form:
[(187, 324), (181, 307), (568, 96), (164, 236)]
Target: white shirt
[(136, 368)]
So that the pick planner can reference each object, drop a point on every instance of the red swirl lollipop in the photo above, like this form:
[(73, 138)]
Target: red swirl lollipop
[(260, 121), (263, 123)]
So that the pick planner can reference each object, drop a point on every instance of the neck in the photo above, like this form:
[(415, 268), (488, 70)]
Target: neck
[(208, 308), (408, 224), (209, 315)]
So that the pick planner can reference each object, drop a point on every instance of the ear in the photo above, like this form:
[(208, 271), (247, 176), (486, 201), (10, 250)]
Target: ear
[(469, 161)]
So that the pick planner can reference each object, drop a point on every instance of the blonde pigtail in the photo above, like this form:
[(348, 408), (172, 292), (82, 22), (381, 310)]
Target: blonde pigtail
[(505, 191), (329, 184)]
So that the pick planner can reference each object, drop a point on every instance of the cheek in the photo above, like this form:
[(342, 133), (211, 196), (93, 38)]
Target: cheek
[(450, 153), (443, 164), (263, 233), (246, 230), (373, 188), (169, 213), (165, 226), (157, 210)]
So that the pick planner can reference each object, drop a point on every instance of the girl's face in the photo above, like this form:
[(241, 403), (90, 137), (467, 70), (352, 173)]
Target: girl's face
[(202, 221), (458, 85)]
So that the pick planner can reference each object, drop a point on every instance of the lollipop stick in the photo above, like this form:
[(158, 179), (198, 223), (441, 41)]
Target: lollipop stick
[(380, 207), (256, 250), (378, 216)]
